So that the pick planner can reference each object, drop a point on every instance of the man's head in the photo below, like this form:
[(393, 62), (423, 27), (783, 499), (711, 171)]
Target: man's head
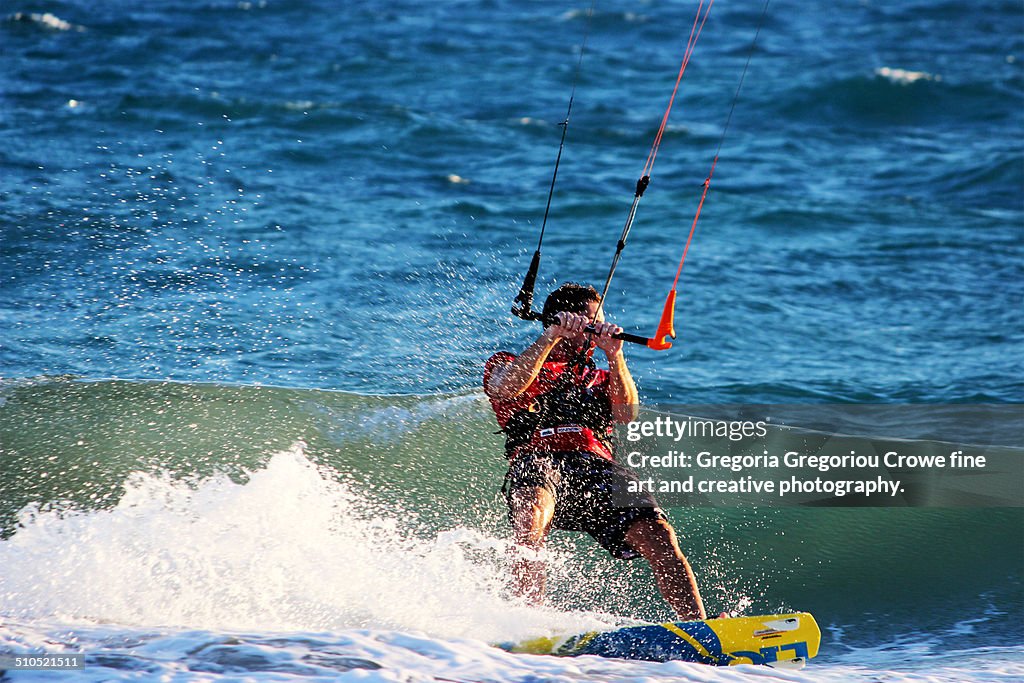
[(571, 298)]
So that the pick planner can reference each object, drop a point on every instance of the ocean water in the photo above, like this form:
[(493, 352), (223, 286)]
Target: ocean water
[(254, 254)]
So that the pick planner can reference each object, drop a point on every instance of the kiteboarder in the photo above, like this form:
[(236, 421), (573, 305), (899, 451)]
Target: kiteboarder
[(558, 411)]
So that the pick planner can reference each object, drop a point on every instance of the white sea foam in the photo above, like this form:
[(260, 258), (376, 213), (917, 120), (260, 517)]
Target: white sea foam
[(291, 549), (904, 76), (48, 20), (115, 653)]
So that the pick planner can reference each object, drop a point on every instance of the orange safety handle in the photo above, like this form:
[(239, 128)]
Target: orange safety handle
[(666, 328)]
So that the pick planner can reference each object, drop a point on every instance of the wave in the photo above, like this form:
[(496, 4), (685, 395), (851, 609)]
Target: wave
[(45, 20), (291, 548), (904, 76), (163, 494), (901, 97)]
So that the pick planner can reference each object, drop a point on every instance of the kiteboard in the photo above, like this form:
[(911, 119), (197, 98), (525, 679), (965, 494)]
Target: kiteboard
[(778, 640)]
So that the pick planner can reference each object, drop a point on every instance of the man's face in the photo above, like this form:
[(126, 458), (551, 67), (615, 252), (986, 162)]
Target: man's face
[(593, 315)]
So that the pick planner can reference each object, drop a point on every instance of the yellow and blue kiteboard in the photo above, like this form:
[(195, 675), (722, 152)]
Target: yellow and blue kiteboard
[(781, 640)]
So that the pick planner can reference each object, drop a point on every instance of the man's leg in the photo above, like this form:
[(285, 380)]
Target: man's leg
[(656, 541), (532, 511)]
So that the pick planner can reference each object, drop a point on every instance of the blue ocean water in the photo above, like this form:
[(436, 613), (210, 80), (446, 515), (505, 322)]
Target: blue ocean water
[(271, 192), (300, 213)]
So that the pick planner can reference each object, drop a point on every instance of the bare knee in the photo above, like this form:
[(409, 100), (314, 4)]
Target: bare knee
[(532, 512)]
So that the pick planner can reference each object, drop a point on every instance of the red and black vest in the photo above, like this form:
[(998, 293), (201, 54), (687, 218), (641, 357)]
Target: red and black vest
[(566, 408)]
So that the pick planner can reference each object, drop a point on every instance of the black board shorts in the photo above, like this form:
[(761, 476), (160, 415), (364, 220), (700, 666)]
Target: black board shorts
[(591, 494)]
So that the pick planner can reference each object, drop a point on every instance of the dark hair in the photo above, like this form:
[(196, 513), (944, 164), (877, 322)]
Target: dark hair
[(570, 297)]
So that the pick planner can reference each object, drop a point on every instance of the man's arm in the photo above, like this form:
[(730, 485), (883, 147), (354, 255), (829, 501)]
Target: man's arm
[(621, 388), (511, 379)]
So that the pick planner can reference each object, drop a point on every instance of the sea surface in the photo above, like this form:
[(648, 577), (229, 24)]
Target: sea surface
[(254, 254)]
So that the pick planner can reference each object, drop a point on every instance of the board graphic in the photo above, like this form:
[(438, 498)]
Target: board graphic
[(783, 640)]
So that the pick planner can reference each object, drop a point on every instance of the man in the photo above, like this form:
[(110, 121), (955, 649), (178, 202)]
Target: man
[(558, 412)]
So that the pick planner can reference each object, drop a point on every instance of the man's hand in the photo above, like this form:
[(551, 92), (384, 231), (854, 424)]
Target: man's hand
[(605, 341), (569, 326)]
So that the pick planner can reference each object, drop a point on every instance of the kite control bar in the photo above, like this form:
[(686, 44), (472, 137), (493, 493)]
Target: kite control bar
[(658, 342)]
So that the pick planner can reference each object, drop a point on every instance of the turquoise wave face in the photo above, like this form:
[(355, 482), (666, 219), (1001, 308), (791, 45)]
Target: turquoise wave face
[(417, 470), (78, 441)]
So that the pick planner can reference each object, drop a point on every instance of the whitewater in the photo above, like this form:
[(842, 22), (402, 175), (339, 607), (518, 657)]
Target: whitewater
[(296, 575)]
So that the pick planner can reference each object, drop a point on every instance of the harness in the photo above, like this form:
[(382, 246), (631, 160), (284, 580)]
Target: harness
[(573, 414)]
